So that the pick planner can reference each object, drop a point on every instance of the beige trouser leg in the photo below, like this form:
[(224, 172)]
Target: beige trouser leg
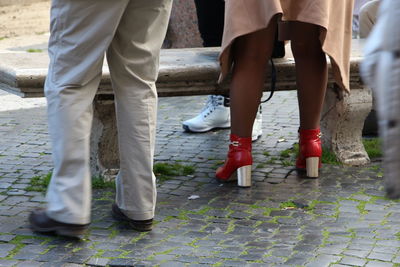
[(367, 17), (81, 32)]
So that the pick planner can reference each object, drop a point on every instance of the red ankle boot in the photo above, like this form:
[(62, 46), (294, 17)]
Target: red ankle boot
[(310, 152), (239, 159)]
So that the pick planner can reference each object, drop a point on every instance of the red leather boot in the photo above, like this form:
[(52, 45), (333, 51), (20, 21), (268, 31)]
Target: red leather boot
[(310, 152), (239, 160)]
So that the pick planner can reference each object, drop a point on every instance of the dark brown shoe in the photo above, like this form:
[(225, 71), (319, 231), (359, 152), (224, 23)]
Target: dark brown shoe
[(42, 223), (142, 226)]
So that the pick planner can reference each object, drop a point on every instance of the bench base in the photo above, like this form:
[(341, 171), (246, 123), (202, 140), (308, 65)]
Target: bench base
[(104, 156), (342, 123)]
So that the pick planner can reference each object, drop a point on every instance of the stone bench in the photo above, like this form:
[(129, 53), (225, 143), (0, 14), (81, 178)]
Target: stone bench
[(194, 71)]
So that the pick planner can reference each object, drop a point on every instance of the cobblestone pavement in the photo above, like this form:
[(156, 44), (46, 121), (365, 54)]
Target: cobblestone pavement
[(341, 219)]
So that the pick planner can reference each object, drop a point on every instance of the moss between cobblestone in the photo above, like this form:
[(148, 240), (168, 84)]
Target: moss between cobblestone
[(268, 211), (99, 253), (18, 246), (260, 166), (313, 203), (266, 153), (141, 235), (40, 183), (286, 153), (166, 171), (287, 204), (218, 164), (385, 219), (47, 249), (114, 233), (17, 241), (163, 171), (276, 218), (230, 228), (325, 236), (361, 207), (32, 50), (397, 236), (375, 168), (287, 163), (99, 182)]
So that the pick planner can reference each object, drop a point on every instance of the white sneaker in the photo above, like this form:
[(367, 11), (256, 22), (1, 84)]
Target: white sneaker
[(257, 126), (215, 114)]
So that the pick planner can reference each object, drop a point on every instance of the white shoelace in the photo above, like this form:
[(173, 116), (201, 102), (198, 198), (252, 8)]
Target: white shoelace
[(211, 104)]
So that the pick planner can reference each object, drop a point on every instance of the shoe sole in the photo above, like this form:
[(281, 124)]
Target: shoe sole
[(61, 230), (123, 218), (187, 129), (255, 138)]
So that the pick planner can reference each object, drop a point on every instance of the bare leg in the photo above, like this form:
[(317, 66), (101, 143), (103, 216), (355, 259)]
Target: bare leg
[(251, 54), (312, 73)]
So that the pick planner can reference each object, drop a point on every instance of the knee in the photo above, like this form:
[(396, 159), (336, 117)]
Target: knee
[(369, 11), (367, 18), (307, 48)]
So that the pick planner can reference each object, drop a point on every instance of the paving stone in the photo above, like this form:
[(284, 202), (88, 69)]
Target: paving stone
[(25, 256), (121, 262), (5, 249), (380, 256), (297, 260), (94, 261), (29, 264), (353, 261), (333, 249), (77, 258), (172, 264), (8, 262), (382, 249), (378, 264), (6, 238), (322, 260)]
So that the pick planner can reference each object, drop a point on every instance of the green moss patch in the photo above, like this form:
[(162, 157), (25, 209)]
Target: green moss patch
[(39, 183), (373, 147), (166, 171), (33, 50)]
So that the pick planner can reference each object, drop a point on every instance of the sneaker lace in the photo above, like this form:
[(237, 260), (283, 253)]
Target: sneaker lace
[(213, 101)]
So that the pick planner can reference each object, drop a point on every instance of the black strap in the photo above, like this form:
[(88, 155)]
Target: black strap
[(273, 81)]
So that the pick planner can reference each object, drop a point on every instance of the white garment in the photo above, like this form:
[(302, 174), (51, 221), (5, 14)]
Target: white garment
[(356, 23), (381, 71), (358, 4), (367, 17), (132, 32)]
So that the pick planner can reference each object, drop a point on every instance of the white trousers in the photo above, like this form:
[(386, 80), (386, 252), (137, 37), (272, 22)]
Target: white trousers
[(381, 71), (131, 32)]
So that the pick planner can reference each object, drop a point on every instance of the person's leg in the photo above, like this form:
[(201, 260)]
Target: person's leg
[(250, 54), (76, 60), (215, 114), (367, 17), (312, 76), (133, 59), (311, 72), (210, 16)]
